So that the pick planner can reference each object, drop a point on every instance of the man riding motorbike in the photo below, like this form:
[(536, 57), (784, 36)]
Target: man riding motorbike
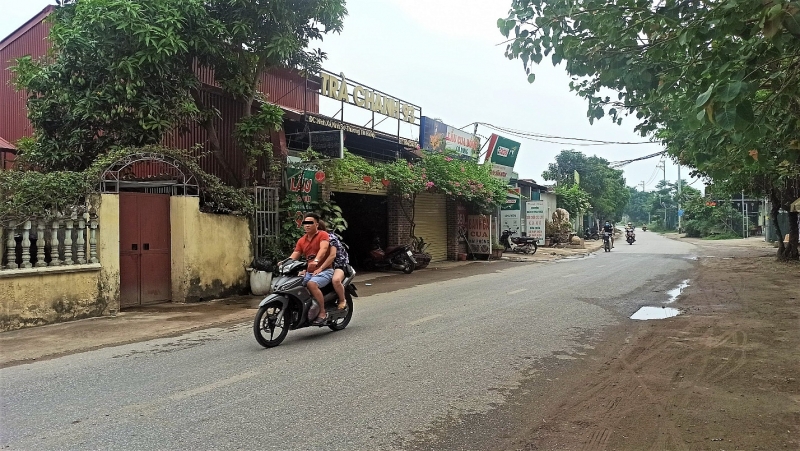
[(314, 245), (607, 227), (629, 235)]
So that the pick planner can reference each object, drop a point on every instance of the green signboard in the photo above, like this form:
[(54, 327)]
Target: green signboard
[(303, 189), (502, 153)]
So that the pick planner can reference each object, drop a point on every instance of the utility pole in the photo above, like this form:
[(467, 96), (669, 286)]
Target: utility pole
[(663, 166), (642, 185), (679, 197), (744, 229)]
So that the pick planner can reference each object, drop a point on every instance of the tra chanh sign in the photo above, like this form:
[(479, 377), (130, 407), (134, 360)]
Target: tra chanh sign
[(438, 136), (339, 88), (502, 153)]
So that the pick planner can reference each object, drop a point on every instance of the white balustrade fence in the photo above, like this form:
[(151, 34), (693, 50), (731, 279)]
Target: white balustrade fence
[(63, 241)]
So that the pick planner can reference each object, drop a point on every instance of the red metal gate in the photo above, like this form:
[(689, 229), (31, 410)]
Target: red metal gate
[(144, 239)]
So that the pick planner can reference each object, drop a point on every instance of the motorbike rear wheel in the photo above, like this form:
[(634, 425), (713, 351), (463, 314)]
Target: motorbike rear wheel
[(341, 323), (266, 328)]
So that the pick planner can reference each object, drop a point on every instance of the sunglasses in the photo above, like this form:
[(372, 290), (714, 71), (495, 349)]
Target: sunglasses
[(308, 222)]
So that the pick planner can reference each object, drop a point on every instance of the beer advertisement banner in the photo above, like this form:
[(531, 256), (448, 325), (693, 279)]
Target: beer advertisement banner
[(502, 153)]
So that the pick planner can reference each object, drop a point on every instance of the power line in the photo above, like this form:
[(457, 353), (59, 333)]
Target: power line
[(548, 138), (618, 164)]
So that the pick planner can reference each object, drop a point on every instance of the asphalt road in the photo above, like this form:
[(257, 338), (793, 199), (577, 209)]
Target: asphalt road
[(409, 360)]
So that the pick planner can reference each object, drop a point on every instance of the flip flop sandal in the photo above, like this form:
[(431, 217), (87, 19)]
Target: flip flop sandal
[(341, 307), (319, 321)]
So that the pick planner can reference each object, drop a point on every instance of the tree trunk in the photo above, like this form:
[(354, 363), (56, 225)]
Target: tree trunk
[(213, 139), (791, 251), (247, 111)]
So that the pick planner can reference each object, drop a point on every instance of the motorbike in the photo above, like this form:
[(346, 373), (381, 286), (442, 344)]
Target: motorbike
[(591, 234), (607, 241), (291, 306), (630, 237), (398, 257), (518, 244), (644, 228)]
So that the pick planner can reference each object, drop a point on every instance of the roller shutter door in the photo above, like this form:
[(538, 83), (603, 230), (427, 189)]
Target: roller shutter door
[(430, 214)]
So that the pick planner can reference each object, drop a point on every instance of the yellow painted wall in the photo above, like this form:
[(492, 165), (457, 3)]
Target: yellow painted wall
[(37, 296), (209, 252), (108, 250)]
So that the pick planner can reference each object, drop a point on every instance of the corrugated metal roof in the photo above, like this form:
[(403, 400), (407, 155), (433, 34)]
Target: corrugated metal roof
[(5, 145)]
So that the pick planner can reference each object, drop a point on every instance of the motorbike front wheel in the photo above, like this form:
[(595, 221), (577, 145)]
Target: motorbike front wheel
[(607, 245), (269, 331), (341, 323), (409, 265)]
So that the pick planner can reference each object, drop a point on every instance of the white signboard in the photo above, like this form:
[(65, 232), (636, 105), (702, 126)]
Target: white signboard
[(510, 220), (534, 220), (479, 234)]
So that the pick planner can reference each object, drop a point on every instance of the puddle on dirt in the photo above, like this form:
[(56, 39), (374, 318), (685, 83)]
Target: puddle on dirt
[(645, 313), (675, 292)]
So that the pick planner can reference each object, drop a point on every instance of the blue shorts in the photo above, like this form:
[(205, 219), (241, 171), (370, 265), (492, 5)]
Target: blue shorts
[(322, 279)]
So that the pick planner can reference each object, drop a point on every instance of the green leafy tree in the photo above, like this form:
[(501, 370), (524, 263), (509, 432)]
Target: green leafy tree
[(639, 206), (605, 186), (118, 74), (123, 73), (258, 36), (573, 199), (716, 82)]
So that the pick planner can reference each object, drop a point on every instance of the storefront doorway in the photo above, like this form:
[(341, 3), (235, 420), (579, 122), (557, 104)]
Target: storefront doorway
[(366, 216)]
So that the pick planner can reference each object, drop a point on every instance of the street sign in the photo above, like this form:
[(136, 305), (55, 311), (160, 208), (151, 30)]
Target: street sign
[(680, 213)]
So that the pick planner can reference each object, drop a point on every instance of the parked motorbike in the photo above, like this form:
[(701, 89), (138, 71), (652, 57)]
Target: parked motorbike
[(630, 237), (398, 257), (518, 244), (291, 306), (590, 234), (607, 241)]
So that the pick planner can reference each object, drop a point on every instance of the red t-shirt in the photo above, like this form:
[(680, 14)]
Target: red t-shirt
[(310, 247)]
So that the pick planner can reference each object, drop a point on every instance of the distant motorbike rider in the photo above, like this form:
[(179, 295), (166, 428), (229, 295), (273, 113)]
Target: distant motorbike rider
[(629, 232), (607, 227)]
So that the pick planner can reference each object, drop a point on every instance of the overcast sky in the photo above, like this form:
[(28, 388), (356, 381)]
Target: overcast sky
[(443, 55)]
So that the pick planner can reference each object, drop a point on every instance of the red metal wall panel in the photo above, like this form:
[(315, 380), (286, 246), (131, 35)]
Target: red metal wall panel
[(282, 87), (30, 39)]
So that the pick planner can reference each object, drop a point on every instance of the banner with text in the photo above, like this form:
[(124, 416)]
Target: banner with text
[(511, 214), (438, 136), (303, 189), (534, 220), (502, 153), (479, 234)]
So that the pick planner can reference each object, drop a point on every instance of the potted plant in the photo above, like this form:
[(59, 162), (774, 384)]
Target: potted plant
[(418, 247), (497, 250)]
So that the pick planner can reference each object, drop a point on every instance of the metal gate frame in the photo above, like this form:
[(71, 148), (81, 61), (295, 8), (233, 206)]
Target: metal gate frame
[(265, 219)]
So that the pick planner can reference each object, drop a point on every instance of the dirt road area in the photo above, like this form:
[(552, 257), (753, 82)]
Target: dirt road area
[(725, 375)]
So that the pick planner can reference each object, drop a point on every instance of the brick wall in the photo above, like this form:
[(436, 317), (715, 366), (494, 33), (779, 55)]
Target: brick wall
[(452, 229), (399, 227)]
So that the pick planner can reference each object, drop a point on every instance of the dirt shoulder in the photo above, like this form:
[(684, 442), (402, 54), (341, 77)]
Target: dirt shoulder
[(725, 375)]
